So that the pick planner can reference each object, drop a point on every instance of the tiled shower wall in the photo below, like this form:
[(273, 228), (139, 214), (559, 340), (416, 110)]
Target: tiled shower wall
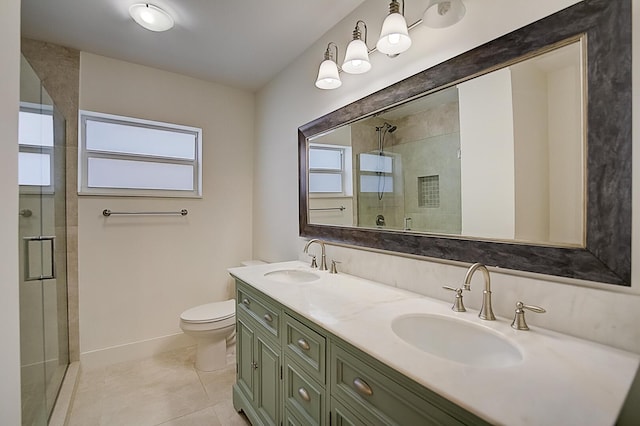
[(59, 69)]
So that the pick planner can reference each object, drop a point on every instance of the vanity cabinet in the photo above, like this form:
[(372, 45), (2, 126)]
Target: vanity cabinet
[(258, 359), (290, 371)]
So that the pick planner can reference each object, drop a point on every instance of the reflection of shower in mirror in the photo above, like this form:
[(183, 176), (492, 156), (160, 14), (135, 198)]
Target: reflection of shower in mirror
[(382, 132)]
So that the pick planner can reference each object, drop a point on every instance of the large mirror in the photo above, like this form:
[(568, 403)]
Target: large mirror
[(493, 157), (515, 154)]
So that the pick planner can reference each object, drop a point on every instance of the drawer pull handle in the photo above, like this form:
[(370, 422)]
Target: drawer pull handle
[(268, 317), (254, 365), (362, 386), (246, 302), (303, 344), (304, 394)]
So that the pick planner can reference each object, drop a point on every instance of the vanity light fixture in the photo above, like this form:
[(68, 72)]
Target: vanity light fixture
[(443, 13), (394, 39), (151, 17), (394, 36), (328, 76), (356, 60)]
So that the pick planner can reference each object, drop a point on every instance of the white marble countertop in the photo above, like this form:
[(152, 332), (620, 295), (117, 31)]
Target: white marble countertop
[(561, 380)]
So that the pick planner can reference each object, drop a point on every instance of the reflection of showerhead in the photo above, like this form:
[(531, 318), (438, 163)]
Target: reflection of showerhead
[(387, 128)]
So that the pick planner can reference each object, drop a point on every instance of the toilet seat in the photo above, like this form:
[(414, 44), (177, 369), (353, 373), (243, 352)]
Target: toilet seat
[(210, 312)]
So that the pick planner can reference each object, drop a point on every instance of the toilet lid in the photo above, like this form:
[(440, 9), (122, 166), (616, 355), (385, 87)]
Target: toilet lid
[(210, 312)]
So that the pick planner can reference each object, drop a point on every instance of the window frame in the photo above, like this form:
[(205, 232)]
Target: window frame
[(345, 171), (84, 154), (38, 149), (366, 173)]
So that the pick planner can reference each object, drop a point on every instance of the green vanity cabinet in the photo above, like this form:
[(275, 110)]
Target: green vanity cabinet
[(258, 360), (378, 395), (290, 371)]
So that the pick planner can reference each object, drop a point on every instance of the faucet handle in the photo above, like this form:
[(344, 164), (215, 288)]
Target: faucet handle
[(458, 306), (334, 269), (314, 264), (519, 322)]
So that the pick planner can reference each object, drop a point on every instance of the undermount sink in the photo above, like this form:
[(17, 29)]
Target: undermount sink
[(292, 276), (456, 340)]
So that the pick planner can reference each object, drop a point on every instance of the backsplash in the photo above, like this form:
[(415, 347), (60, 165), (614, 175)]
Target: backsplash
[(603, 315)]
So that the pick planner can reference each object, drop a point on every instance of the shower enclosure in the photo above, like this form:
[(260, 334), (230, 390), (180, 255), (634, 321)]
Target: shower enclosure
[(44, 342)]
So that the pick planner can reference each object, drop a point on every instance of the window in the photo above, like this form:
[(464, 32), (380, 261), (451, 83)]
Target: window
[(376, 173), (128, 156), (330, 170), (35, 140)]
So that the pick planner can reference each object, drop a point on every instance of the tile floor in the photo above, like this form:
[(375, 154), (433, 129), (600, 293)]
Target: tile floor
[(163, 390)]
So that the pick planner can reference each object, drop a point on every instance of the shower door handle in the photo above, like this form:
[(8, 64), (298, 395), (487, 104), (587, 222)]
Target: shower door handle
[(27, 258)]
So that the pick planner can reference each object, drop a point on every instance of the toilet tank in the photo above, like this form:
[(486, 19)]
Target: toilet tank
[(252, 262)]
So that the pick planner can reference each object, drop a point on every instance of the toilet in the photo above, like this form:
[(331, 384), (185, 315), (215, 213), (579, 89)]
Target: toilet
[(211, 324)]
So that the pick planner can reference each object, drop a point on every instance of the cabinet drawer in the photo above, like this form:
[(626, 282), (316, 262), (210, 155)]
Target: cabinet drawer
[(303, 396), (342, 416), (378, 398), (305, 346), (260, 310)]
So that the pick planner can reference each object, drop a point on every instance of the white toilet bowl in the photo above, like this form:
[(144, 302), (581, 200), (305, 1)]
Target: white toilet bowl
[(211, 325)]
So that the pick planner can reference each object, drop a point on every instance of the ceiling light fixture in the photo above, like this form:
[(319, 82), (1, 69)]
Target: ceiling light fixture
[(443, 13), (328, 76), (151, 17), (394, 36), (356, 60)]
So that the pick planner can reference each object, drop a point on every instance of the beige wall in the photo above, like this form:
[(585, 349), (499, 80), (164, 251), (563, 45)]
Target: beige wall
[(137, 274), (604, 313), (9, 100), (487, 164)]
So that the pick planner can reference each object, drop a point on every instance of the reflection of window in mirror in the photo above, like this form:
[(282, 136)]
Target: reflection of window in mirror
[(330, 183), (35, 138)]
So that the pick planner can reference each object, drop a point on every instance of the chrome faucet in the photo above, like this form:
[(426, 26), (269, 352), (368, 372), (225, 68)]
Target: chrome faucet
[(323, 259), (486, 312)]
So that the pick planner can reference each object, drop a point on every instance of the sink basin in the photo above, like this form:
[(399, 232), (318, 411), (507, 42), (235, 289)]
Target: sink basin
[(456, 340), (292, 276)]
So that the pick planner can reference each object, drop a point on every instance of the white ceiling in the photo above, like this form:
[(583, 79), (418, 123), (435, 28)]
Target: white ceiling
[(240, 43)]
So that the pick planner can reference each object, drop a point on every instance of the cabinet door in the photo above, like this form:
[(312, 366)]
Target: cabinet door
[(245, 350), (268, 378)]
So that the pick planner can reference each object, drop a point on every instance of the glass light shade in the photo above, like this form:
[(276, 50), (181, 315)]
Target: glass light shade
[(151, 17), (356, 60), (394, 37), (443, 13), (328, 77)]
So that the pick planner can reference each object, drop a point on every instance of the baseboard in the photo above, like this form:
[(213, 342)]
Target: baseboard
[(132, 351)]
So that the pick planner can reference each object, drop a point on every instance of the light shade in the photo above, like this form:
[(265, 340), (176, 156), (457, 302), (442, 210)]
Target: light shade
[(356, 60), (394, 37), (151, 17), (443, 13), (328, 77)]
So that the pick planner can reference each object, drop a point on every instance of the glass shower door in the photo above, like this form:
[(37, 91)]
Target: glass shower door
[(42, 234)]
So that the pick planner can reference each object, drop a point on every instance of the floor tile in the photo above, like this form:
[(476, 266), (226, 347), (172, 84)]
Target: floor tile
[(228, 415), (206, 417), (165, 389)]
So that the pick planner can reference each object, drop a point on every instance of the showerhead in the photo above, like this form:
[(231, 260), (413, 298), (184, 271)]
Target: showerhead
[(387, 128)]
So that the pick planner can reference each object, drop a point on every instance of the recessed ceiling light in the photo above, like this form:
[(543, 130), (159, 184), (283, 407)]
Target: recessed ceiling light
[(151, 17)]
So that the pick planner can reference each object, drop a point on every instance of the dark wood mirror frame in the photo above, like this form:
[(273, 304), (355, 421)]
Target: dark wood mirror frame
[(607, 255)]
